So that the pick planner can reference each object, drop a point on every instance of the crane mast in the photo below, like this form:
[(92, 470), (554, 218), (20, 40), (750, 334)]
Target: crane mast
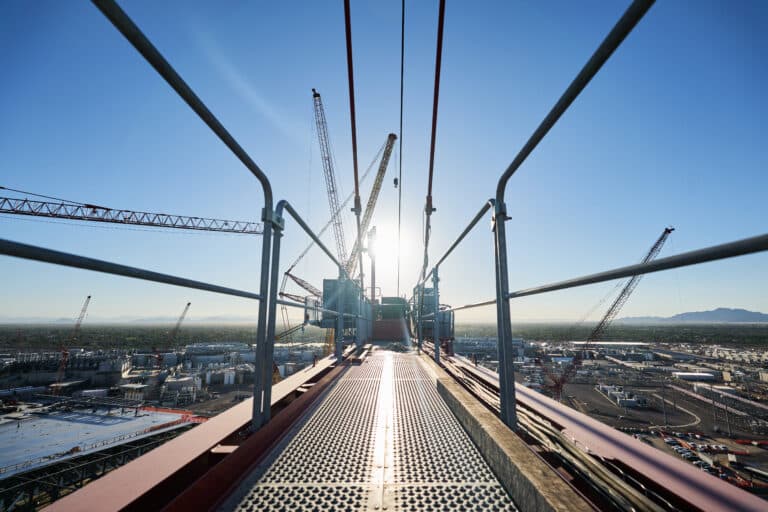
[(371, 206), (329, 175)]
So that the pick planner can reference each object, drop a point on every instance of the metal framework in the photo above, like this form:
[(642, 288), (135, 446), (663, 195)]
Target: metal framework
[(330, 177), (273, 228), (93, 213), (38, 487), (371, 206), (284, 281), (74, 338)]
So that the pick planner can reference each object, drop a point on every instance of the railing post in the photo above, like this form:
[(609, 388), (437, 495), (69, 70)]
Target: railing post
[(340, 317), (266, 363), (419, 300), (503, 322), (436, 318), (259, 377)]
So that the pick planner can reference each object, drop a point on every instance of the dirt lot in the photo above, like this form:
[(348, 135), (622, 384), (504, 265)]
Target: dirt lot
[(227, 397)]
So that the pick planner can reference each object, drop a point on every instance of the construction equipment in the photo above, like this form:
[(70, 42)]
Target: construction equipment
[(93, 213), (329, 175), (559, 381), (171, 337), (371, 206), (622, 298), (64, 358), (288, 273)]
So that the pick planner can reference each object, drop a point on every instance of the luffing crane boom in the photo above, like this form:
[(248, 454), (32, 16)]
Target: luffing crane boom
[(570, 371), (171, 336), (622, 298), (329, 175), (371, 206), (175, 331), (64, 358), (80, 318)]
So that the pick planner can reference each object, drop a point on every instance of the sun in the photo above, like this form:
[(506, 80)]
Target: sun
[(385, 251)]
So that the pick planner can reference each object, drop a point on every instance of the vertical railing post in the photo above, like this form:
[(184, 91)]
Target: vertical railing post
[(419, 299), (266, 363), (259, 377), (340, 316), (504, 326), (436, 318)]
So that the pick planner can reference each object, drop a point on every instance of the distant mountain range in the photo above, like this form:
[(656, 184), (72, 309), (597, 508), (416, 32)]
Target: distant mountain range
[(715, 316)]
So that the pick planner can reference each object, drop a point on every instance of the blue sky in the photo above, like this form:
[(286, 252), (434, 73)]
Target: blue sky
[(672, 131)]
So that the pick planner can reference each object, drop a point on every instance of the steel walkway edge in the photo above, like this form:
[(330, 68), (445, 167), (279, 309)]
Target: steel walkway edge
[(381, 438)]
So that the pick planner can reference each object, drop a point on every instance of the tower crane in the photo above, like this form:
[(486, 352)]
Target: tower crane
[(371, 206), (171, 336), (597, 333), (93, 213), (64, 359)]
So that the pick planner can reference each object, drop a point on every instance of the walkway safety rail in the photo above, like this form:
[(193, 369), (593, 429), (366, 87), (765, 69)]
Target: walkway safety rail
[(612, 41), (266, 363), (272, 220)]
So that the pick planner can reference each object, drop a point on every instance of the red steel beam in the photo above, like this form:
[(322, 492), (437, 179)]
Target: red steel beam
[(216, 485), (679, 478)]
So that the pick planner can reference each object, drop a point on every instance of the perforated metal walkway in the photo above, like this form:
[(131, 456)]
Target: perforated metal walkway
[(380, 439)]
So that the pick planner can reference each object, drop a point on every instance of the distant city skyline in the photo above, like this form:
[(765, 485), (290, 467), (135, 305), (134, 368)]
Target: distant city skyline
[(670, 132)]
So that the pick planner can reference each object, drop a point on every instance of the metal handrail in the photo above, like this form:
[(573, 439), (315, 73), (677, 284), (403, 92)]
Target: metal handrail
[(487, 206), (133, 34), (318, 308), (285, 205), (716, 252), (615, 37), (261, 403), (32, 252)]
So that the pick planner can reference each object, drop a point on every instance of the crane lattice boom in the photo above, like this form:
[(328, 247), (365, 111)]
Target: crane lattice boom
[(95, 213), (175, 330), (622, 298), (80, 318), (570, 370), (329, 175), (371, 206), (64, 358)]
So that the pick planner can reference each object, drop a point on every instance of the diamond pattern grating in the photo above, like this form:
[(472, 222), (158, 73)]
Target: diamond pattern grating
[(328, 462)]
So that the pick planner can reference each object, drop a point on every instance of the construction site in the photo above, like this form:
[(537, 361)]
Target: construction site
[(352, 395)]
